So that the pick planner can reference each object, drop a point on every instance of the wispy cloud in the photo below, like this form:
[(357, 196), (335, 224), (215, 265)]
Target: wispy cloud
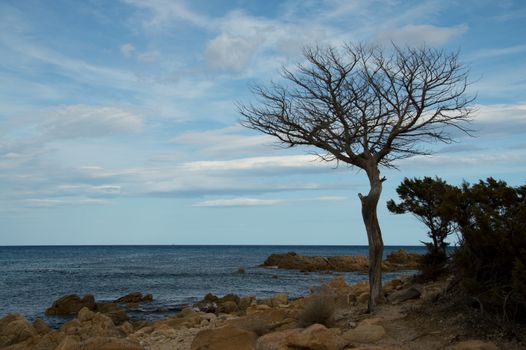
[(75, 121), (422, 34), (255, 202)]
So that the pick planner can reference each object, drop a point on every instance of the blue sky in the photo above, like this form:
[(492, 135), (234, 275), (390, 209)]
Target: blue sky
[(118, 122)]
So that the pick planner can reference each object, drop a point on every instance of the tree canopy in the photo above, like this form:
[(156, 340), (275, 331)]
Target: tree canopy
[(365, 106)]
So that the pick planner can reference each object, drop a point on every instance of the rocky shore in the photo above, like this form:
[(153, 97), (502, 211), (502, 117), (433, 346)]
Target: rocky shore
[(412, 316), (331, 317)]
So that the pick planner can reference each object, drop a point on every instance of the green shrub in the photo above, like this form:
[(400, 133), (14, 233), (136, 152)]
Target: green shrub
[(490, 260), (433, 202)]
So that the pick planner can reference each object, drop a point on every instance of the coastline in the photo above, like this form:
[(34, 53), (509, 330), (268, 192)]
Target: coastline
[(412, 317), (331, 315)]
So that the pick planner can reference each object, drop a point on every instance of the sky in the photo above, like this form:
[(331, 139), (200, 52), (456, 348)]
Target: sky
[(118, 119)]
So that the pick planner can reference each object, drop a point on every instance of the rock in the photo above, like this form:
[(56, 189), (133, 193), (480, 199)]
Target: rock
[(118, 316), (208, 304), (379, 347), (295, 261), (264, 321), (316, 337), (99, 343), (14, 329), (401, 260), (126, 328), (403, 295), (41, 327), (224, 338), (267, 302), (279, 299), (186, 312), (132, 306), (71, 304), (275, 340), (85, 314), (245, 302), (349, 263), (147, 298), (229, 297), (391, 285), (90, 325), (475, 345), (227, 307), (241, 270), (365, 333), (113, 311), (134, 297)]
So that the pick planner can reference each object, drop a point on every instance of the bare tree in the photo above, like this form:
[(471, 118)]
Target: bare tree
[(367, 107)]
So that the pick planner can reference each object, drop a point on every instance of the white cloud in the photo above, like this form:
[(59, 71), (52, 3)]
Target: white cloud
[(503, 119), (127, 50), (253, 202), (149, 56), (496, 52), (166, 12), (422, 34), (228, 141), (229, 53), (238, 202), (53, 202), (75, 121), (257, 163)]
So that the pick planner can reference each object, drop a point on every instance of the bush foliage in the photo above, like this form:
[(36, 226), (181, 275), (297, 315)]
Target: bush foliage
[(491, 256), (433, 202), (490, 219)]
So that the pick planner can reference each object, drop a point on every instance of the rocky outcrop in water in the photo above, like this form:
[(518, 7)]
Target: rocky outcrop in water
[(398, 260), (71, 304)]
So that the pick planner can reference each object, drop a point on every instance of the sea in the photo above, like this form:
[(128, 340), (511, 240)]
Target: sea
[(32, 277)]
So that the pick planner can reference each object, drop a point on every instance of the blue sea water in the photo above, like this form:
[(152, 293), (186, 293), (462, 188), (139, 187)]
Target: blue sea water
[(32, 277)]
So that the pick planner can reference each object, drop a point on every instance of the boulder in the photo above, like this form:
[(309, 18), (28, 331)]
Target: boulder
[(85, 314), (224, 338), (89, 325), (99, 343), (475, 345), (208, 304), (279, 299), (401, 260), (227, 307), (229, 297), (245, 302), (113, 311), (71, 304), (134, 297), (403, 295), (275, 340), (315, 337), (265, 321), (41, 327), (14, 329), (365, 333)]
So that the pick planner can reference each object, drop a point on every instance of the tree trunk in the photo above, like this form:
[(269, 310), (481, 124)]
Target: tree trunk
[(374, 235)]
